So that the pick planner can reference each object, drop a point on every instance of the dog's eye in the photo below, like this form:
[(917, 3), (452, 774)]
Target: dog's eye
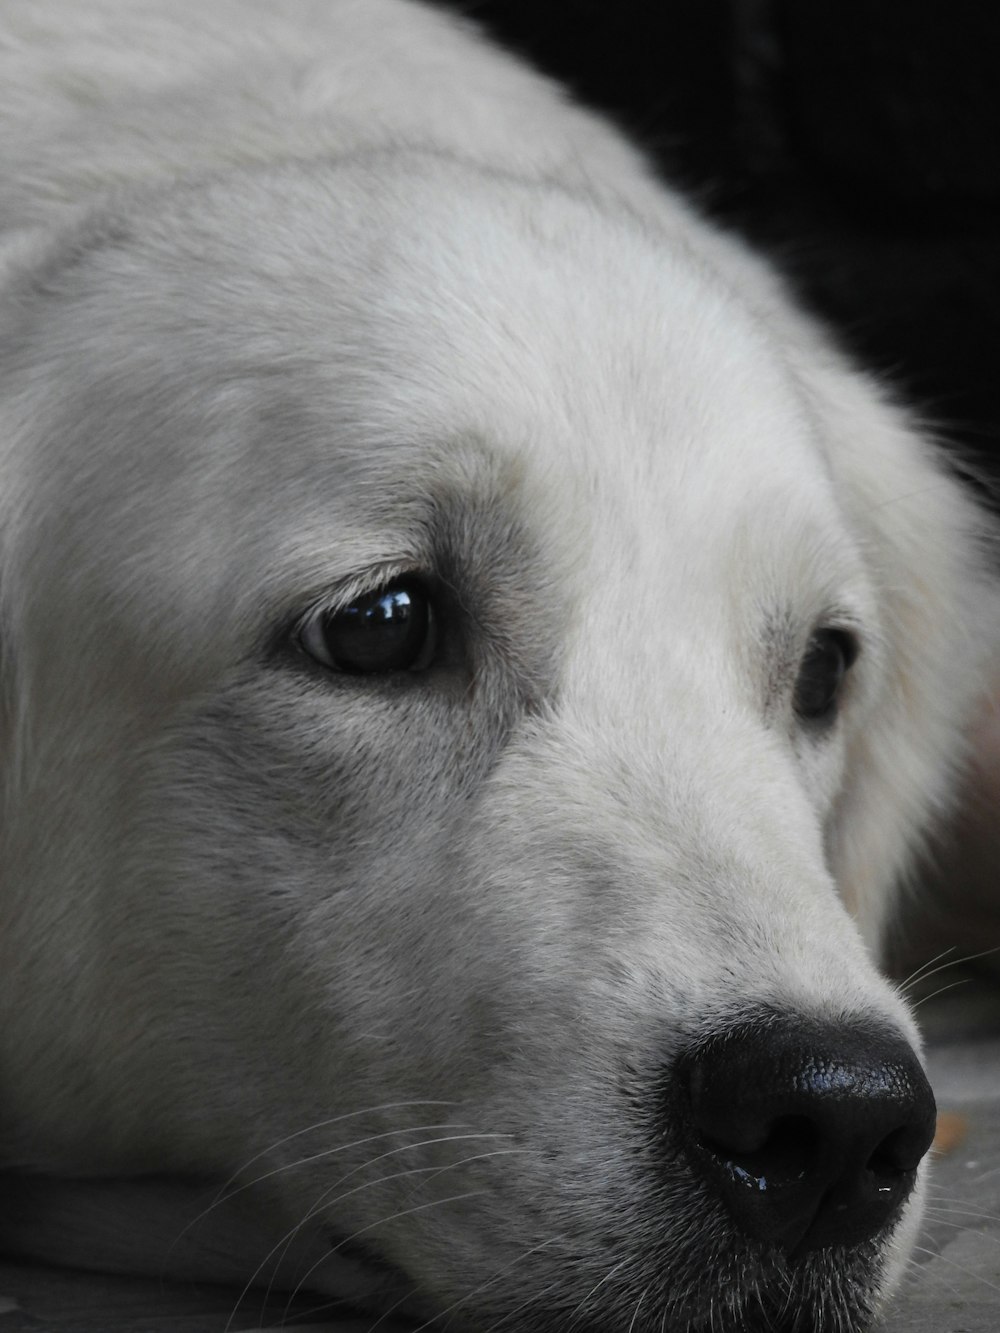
[(392, 629), (830, 654)]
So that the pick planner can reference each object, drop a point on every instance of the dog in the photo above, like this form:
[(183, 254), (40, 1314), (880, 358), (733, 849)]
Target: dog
[(477, 662)]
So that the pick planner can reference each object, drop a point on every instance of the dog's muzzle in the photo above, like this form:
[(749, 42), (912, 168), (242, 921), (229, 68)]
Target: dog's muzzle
[(810, 1134)]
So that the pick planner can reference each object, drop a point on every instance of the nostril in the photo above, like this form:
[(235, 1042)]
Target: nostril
[(785, 1153), (899, 1153), (883, 1171)]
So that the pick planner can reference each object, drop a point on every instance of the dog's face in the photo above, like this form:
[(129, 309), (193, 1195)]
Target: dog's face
[(460, 662)]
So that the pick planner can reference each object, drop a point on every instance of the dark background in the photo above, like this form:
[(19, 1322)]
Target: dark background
[(857, 142)]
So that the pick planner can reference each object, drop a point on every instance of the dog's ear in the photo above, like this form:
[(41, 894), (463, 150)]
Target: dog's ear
[(926, 548), (933, 561)]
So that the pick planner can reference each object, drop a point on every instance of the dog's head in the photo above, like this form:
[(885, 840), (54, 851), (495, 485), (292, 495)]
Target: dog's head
[(460, 660)]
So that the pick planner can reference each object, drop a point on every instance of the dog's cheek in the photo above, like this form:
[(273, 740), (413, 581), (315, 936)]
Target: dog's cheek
[(316, 820)]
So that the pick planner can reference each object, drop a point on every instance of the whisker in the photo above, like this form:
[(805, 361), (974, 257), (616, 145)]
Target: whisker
[(382, 1221), (320, 1201), (290, 1235), (435, 1171), (925, 999), (955, 962), (484, 1285), (532, 1300), (969, 1272), (478, 1157), (573, 1319), (391, 1310), (225, 1192), (636, 1314), (937, 1213), (325, 1124), (917, 1270), (921, 969), (356, 1189), (338, 1304), (958, 1201), (339, 1148)]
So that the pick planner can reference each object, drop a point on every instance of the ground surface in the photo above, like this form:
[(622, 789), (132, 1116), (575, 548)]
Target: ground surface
[(954, 1286)]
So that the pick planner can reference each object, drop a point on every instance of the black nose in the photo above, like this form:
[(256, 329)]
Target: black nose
[(811, 1134)]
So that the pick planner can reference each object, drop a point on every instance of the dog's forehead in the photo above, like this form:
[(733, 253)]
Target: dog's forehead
[(655, 441), (621, 397), (451, 361)]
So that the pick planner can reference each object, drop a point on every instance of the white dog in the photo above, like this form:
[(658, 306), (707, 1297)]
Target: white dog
[(476, 661)]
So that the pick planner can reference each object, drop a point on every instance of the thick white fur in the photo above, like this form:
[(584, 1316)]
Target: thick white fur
[(299, 295)]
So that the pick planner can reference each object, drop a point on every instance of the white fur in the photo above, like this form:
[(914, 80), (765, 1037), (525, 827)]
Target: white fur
[(298, 296)]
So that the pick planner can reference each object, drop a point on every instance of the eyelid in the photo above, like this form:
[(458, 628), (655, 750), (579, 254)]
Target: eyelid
[(331, 597), (331, 600)]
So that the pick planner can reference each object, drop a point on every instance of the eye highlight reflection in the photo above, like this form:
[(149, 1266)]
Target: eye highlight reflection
[(392, 629)]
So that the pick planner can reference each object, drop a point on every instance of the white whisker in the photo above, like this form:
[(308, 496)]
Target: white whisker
[(606, 1278), (934, 1216), (635, 1316), (321, 1201), (922, 969), (483, 1286), (926, 999), (225, 1191), (289, 1236), (325, 1124), (921, 975), (382, 1221), (532, 1300), (969, 1272)]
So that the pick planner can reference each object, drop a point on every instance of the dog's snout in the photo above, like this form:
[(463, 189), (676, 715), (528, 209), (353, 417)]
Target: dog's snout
[(810, 1134)]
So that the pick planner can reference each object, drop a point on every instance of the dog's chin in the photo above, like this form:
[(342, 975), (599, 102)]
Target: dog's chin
[(828, 1294), (832, 1291), (820, 1298)]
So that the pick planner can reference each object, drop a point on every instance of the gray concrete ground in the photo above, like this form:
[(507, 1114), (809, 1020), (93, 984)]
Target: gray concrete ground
[(954, 1286)]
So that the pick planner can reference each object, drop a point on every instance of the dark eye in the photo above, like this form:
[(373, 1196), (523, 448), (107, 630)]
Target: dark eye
[(827, 660), (391, 629)]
